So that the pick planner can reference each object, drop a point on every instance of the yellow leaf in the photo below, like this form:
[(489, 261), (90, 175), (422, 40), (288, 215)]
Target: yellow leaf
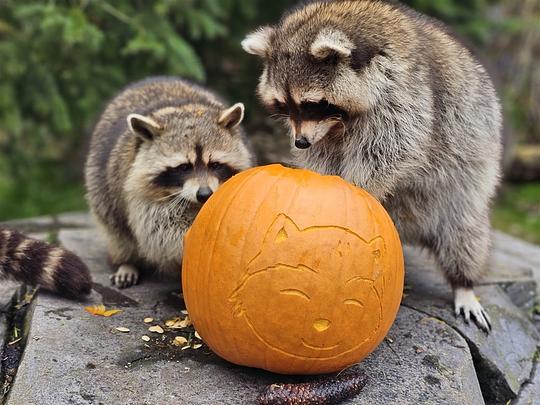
[(145, 338), (148, 320), (122, 329), (100, 310)]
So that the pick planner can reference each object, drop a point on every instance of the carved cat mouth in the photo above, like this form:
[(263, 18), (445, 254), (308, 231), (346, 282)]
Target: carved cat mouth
[(320, 347)]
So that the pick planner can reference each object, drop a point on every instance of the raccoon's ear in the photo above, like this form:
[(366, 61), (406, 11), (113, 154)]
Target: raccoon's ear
[(232, 117), (331, 42), (258, 42), (144, 127)]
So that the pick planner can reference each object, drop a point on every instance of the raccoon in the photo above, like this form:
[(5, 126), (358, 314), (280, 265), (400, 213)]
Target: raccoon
[(35, 262), (160, 149), (388, 99)]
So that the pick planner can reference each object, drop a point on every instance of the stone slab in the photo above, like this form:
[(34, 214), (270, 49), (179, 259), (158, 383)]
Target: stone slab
[(504, 358), (530, 394), (74, 357), (513, 260)]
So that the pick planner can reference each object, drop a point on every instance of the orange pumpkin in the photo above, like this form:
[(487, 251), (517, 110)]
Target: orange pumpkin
[(291, 271)]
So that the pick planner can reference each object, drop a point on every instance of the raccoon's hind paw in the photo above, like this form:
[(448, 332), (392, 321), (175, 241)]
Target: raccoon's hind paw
[(466, 304), (125, 277)]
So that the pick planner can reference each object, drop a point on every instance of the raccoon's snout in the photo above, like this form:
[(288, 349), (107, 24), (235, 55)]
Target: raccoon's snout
[(302, 143), (204, 194)]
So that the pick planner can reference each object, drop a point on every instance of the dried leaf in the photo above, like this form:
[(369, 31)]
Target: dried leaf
[(122, 329), (148, 320), (145, 338), (156, 328), (101, 310), (197, 335), (197, 346)]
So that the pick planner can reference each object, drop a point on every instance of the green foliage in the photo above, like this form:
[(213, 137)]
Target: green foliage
[(518, 211), (62, 59)]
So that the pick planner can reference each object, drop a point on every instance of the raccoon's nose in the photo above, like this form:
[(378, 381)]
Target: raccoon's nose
[(204, 194), (302, 143)]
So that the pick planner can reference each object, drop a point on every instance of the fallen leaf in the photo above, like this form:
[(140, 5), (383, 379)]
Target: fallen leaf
[(101, 310), (197, 335), (146, 338), (122, 329), (148, 320), (185, 348), (156, 328), (184, 312), (197, 346)]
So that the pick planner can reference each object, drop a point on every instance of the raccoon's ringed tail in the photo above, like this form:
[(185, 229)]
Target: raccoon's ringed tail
[(37, 263)]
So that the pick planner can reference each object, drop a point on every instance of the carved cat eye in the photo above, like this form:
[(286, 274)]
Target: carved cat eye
[(353, 302), (295, 292)]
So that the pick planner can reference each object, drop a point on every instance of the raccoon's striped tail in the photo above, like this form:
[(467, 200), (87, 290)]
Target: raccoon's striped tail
[(37, 263)]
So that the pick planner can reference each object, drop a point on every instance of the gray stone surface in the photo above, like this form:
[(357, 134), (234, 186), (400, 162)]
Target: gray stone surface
[(513, 259), (74, 357), (505, 357), (530, 394)]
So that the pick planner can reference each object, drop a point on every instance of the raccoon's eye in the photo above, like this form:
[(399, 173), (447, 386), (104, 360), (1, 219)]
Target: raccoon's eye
[(215, 165), (185, 167), (279, 108)]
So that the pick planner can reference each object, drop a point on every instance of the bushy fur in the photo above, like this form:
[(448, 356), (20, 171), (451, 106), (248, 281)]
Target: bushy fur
[(156, 146), (35, 262), (386, 98)]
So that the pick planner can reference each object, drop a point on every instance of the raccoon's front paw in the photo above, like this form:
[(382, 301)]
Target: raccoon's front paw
[(125, 276), (466, 304)]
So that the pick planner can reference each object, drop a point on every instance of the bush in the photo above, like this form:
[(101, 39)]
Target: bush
[(62, 60)]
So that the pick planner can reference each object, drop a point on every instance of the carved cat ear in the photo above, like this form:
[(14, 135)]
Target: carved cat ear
[(378, 247), (331, 42), (281, 230), (258, 42), (143, 127), (232, 117)]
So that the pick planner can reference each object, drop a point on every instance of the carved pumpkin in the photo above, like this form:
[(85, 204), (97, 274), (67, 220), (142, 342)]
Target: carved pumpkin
[(291, 271)]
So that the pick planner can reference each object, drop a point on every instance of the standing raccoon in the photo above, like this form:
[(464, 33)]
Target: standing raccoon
[(384, 97), (160, 149), (35, 262)]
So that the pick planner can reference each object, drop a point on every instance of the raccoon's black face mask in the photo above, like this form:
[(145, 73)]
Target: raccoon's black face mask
[(318, 81), (310, 121)]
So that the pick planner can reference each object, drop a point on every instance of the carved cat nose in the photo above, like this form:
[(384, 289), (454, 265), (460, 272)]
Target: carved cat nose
[(204, 194), (321, 325), (302, 143)]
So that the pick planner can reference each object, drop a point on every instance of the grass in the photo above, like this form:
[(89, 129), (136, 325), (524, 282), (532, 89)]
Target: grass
[(517, 211)]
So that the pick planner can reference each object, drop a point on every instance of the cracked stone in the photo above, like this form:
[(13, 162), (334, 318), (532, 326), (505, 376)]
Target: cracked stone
[(504, 358), (79, 359)]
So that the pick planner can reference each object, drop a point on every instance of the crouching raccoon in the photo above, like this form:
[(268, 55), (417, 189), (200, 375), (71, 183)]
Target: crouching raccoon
[(160, 149)]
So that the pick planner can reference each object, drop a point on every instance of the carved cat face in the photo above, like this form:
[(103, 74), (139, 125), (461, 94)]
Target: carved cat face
[(312, 302)]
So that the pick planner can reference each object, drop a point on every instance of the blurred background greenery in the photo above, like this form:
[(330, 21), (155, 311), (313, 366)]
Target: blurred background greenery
[(62, 60)]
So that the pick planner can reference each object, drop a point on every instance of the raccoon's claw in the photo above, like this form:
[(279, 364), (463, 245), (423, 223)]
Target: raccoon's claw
[(466, 304), (125, 277)]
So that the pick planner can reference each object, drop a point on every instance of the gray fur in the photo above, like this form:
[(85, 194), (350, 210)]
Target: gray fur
[(171, 122)]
